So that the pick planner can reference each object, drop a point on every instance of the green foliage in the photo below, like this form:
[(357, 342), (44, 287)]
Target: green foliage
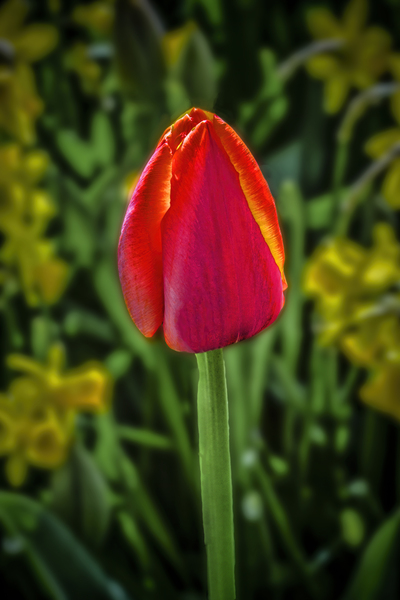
[(315, 473)]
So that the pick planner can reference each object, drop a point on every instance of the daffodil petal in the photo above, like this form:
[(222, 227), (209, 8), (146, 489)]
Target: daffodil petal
[(16, 469), (335, 92), (395, 106), (355, 16), (35, 42), (381, 142), (323, 24), (323, 66), (48, 446), (391, 185), (394, 65), (12, 15), (382, 390)]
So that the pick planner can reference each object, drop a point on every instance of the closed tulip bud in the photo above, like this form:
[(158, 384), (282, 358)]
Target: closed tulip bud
[(201, 251)]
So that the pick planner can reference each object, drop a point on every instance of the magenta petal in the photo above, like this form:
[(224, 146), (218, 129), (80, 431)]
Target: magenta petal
[(221, 283), (139, 250)]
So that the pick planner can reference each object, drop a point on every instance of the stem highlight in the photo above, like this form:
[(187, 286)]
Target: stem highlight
[(215, 474)]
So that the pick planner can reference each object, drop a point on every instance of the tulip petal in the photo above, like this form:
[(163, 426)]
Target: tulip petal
[(221, 282), (139, 251), (255, 189)]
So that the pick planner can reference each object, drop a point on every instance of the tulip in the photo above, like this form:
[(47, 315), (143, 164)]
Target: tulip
[(201, 251)]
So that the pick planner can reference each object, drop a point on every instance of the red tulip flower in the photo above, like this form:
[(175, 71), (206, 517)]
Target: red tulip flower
[(200, 250)]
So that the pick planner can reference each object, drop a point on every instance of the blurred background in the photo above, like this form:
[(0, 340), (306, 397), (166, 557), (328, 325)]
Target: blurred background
[(99, 482)]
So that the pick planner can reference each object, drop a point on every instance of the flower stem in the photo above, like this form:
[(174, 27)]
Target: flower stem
[(215, 474)]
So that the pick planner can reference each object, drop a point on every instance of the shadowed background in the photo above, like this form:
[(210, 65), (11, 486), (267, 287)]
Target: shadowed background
[(99, 473)]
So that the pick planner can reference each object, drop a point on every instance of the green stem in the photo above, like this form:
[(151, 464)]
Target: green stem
[(215, 473)]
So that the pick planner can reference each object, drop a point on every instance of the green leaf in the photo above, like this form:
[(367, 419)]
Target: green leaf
[(138, 503), (196, 70), (139, 56), (144, 437), (319, 210), (102, 139), (77, 152), (61, 564), (376, 562), (78, 235), (80, 496)]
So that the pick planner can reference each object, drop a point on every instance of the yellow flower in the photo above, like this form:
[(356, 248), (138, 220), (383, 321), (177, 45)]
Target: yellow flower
[(20, 104), (359, 307), (37, 415), (87, 387), (375, 147), (27, 43), (31, 432), (394, 66), (43, 276), (360, 61), (382, 390), (375, 339), (25, 211), (98, 16), (78, 61), (20, 46), (175, 41), (331, 278), (348, 280), (19, 197)]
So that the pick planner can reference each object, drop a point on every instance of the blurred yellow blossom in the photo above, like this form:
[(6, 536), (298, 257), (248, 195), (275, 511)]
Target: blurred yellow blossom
[(358, 303), (20, 104), (349, 281), (378, 145), (85, 388), (382, 389), (78, 61), (394, 66), (25, 211), (43, 276), (359, 62), (37, 414), (98, 16), (175, 41), (21, 45), (332, 278)]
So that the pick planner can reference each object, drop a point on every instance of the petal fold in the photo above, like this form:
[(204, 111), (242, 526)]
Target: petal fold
[(139, 250), (255, 189)]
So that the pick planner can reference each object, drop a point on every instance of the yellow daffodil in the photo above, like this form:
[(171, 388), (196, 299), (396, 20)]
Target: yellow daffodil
[(31, 432), (19, 197), (25, 211), (358, 303), (85, 388), (331, 278), (348, 281), (174, 42), (20, 104), (382, 390), (394, 66), (361, 59), (375, 339), (37, 414), (78, 61), (43, 276), (98, 16), (20, 46), (27, 43), (378, 145)]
